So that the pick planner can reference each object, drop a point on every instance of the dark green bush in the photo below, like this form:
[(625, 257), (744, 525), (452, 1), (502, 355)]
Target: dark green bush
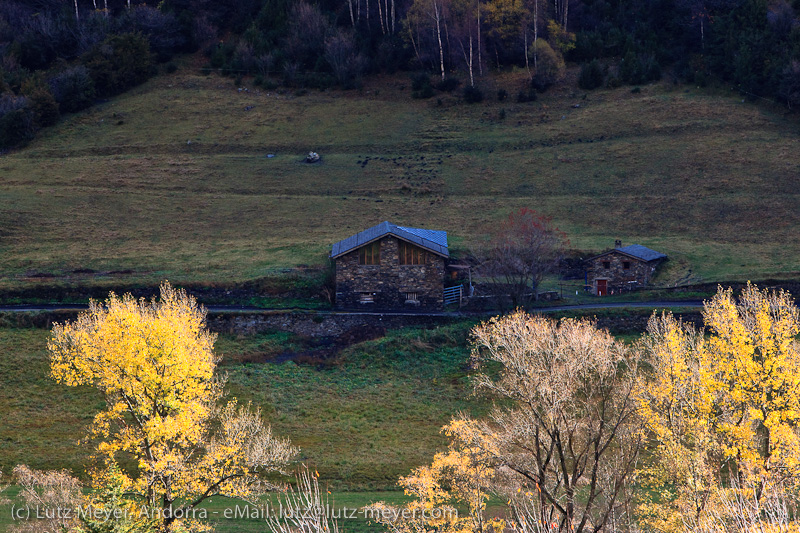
[(73, 89), (472, 95), (637, 69), (526, 95), (502, 94), (425, 92), (44, 106), (419, 81), (119, 63), (448, 84), (421, 86), (17, 124), (591, 75)]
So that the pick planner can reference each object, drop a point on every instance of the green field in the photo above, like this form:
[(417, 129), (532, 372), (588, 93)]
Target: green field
[(362, 421), (172, 179)]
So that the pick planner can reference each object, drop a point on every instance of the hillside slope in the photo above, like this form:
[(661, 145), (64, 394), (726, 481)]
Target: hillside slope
[(173, 179)]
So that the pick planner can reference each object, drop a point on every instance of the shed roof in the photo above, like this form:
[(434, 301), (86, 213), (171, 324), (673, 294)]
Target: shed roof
[(636, 251), (432, 240)]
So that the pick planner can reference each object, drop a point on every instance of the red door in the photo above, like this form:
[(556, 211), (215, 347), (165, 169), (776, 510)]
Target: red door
[(602, 287)]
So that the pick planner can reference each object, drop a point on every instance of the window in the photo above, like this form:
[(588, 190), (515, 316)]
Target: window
[(411, 255), (366, 298), (370, 254), (412, 297), (626, 265), (606, 264)]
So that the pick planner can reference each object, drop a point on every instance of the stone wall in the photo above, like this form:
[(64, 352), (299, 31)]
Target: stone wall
[(619, 278), (389, 282), (317, 324)]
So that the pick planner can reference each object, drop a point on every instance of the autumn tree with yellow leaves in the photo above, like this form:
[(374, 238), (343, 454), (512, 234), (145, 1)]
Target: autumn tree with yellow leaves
[(723, 411), (154, 363)]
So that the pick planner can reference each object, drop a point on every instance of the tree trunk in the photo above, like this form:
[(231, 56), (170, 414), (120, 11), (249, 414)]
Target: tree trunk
[(471, 77), (380, 17), (525, 43), (535, 33), (437, 15), (77, 16), (480, 63)]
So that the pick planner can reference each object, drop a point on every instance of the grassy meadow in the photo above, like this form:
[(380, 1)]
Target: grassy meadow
[(172, 179), (363, 420)]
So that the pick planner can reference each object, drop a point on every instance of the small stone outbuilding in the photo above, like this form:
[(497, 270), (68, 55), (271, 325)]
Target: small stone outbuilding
[(621, 269), (390, 267)]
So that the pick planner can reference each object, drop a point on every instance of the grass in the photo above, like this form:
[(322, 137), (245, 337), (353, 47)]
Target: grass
[(362, 421), (172, 179), (229, 515)]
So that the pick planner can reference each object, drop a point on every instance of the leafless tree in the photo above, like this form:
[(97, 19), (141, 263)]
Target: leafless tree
[(49, 492), (522, 250), (565, 432), (304, 509), (343, 57), (427, 20)]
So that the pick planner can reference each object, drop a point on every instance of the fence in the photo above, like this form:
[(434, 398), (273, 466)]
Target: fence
[(453, 295)]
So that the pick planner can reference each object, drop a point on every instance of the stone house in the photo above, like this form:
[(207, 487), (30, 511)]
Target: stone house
[(390, 267), (621, 269)]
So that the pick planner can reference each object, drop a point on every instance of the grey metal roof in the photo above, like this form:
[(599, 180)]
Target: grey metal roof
[(432, 240), (642, 252), (638, 251)]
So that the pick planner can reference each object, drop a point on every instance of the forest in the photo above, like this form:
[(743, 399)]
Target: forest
[(60, 57)]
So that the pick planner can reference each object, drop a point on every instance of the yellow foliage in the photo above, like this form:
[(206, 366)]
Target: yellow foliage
[(504, 18), (561, 39), (464, 469), (724, 408), (154, 362)]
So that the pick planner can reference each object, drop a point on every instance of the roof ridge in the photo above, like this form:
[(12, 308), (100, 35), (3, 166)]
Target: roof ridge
[(428, 240)]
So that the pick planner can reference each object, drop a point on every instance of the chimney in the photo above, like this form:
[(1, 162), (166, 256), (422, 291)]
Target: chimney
[(618, 244)]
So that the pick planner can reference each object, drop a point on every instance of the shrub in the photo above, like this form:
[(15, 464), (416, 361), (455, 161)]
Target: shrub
[(119, 63), (421, 86), (17, 124), (161, 29), (419, 81), (526, 95), (73, 89), (502, 94), (43, 105), (472, 95), (635, 69), (549, 65), (448, 85), (425, 92), (591, 75)]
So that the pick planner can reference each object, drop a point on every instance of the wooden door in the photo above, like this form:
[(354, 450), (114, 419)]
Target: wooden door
[(602, 287)]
